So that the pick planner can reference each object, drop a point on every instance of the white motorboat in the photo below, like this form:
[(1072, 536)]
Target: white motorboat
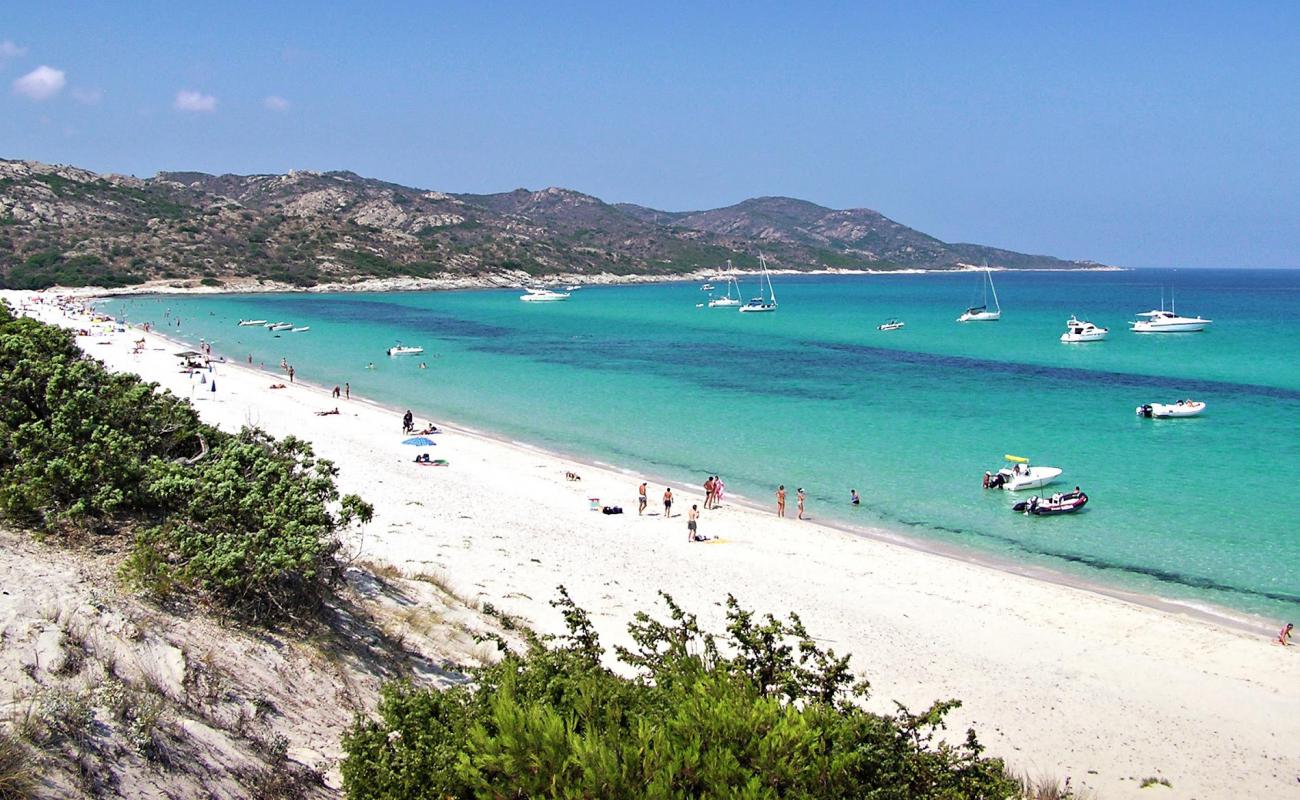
[(762, 303), (1168, 322), (1080, 331), (730, 301), (400, 350), (281, 326), (1020, 475), (273, 324), (889, 325), (244, 323), (1183, 408), (543, 296), (981, 313), (303, 329), (708, 287), (573, 288)]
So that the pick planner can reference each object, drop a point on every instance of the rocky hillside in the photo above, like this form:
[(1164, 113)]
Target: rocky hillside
[(66, 226)]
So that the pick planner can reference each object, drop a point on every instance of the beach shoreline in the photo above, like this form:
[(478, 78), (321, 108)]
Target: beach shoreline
[(503, 280), (1058, 678)]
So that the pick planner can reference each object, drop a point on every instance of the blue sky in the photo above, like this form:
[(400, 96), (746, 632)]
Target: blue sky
[(1141, 134)]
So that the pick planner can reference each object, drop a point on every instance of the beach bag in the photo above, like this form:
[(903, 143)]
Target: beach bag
[(612, 510)]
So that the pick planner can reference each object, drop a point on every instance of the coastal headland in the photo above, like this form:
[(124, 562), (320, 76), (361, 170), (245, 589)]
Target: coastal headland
[(1057, 679)]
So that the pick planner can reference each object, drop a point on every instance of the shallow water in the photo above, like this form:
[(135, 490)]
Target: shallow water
[(1197, 510)]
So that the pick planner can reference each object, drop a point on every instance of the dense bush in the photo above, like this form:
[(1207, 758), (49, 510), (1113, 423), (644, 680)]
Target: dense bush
[(763, 714), (243, 521)]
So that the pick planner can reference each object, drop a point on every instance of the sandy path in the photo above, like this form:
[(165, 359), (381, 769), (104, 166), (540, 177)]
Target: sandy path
[(1059, 680)]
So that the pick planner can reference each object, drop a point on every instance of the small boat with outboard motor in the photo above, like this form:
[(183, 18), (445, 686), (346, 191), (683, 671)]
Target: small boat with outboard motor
[(1183, 408), (1060, 503), (889, 325), (400, 350), (246, 323), (1020, 475), (281, 326)]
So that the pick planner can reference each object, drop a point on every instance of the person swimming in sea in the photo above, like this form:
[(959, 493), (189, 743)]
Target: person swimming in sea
[(853, 497)]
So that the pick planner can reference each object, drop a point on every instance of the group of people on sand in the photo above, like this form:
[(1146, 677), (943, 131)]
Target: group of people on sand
[(408, 425), (800, 499), (712, 495)]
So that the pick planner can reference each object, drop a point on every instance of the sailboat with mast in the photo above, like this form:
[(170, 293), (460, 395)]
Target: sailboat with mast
[(762, 303), (981, 312)]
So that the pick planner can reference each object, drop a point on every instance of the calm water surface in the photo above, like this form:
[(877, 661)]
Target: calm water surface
[(1197, 510)]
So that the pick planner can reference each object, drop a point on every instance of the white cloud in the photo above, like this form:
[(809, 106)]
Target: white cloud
[(87, 97), (10, 50), (41, 83), (275, 103), (190, 100)]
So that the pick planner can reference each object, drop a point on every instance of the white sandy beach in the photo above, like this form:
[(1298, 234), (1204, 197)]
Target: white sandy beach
[(1058, 680)]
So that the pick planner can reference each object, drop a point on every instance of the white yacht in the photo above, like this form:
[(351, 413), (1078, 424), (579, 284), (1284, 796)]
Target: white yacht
[(1167, 322), (399, 350), (762, 303), (730, 301), (981, 313), (1080, 331), (543, 296)]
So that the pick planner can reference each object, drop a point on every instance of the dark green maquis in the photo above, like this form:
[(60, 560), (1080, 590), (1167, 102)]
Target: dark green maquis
[(241, 522), (762, 713)]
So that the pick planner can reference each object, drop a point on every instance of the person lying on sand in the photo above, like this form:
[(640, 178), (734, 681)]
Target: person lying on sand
[(430, 428), (278, 386), (422, 458), (328, 413), (572, 476)]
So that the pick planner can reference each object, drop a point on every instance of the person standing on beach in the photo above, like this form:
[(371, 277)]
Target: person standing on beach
[(718, 488), (408, 421), (336, 392), (291, 373), (800, 495), (347, 391), (708, 492), (691, 524), (641, 499), (668, 503), (780, 500)]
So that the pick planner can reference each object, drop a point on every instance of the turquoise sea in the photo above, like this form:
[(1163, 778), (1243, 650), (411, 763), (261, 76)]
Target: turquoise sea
[(1198, 510)]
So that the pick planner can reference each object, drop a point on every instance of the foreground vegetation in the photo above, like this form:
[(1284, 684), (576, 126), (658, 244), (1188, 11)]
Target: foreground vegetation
[(763, 713), (242, 523)]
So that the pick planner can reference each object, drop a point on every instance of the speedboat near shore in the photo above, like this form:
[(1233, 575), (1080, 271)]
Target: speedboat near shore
[(246, 323), (1020, 475), (1066, 503), (280, 326), (400, 350), (543, 296), (890, 325), (1080, 331), (1183, 408)]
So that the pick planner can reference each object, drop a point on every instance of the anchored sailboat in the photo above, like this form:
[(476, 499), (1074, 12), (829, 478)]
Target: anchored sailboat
[(762, 303), (981, 313)]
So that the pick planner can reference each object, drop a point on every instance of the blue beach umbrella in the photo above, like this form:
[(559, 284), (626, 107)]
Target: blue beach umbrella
[(420, 441)]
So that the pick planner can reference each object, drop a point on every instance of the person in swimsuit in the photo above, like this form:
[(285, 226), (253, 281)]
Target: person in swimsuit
[(708, 492), (642, 499), (799, 494), (853, 497), (780, 500), (691, 517), (668, 503), (1284, 638)]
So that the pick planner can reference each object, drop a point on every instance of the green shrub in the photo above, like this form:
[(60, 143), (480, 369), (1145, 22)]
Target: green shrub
[(243, 522), (776, 717)]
